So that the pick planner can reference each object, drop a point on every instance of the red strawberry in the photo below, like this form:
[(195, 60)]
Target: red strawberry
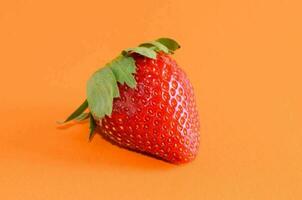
[(157, 115)]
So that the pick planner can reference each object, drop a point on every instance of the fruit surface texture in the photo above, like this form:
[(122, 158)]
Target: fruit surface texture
[(159, 117)]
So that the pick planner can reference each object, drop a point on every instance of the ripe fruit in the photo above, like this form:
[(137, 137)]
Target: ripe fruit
[(153, 111)]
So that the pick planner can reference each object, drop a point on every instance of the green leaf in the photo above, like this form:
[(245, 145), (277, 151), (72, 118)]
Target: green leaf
[(101, 89), (91, 127), (77, 112), (156, 46), (82, 117), (123, 68), (144, 51), (171, 44)]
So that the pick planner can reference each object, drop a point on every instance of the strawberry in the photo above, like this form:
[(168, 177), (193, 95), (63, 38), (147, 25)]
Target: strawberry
[(143, 101)]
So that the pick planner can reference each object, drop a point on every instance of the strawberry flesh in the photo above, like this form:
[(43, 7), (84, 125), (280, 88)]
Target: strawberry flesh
[(159, 117)]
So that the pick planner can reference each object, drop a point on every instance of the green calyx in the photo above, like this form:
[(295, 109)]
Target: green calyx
[(102, 87)]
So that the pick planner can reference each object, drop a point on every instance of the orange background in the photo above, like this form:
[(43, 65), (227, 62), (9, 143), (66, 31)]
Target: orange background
[(243, 58)]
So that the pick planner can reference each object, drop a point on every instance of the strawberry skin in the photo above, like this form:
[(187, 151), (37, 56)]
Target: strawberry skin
[(159, 117)]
